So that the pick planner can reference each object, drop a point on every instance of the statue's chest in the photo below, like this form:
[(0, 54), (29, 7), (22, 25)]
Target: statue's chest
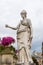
[(23, 25)]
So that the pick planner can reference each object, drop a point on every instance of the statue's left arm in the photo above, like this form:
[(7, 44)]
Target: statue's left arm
[(30, 26)]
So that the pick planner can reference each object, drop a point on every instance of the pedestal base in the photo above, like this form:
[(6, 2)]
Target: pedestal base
[(24, 64), (19, 63)]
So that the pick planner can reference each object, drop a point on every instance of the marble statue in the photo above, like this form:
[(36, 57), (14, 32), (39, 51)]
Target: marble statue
[(24, 39)]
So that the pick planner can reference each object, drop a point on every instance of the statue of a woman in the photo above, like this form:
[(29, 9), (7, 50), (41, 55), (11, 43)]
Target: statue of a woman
[(24, 38)]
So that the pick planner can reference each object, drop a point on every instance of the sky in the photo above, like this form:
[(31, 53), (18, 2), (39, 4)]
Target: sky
[(10, 14)]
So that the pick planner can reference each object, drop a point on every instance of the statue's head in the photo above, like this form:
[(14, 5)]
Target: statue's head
[(23, 14)]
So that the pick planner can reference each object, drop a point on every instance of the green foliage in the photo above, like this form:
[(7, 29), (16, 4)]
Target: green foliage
[(12, 48), (35, 61), (1, 48)]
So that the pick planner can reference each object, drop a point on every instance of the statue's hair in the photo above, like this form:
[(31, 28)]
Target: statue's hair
[(23, 11)]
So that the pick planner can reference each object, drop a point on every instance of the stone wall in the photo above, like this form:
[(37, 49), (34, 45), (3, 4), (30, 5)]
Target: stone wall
[(7, 59)]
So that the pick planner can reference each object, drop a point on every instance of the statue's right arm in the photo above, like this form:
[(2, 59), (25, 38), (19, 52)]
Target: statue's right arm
[(7, 26)]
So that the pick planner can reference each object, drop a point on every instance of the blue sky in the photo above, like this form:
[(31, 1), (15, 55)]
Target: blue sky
[(10, 14)]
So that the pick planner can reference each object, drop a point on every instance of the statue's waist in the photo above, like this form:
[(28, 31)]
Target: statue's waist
[(23, 30), (19, 31), (24, 46)]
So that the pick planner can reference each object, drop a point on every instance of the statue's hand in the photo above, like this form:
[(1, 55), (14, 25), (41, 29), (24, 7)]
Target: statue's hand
[(6, 26)]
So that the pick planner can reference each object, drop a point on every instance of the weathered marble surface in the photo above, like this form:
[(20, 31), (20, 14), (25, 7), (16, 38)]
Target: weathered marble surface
[(24, 38)]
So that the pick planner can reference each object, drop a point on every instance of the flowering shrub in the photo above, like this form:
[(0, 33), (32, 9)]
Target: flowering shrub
[(7, 41)]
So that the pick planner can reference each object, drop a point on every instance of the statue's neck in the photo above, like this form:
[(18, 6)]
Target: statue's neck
[(24, 22), (24, 19)]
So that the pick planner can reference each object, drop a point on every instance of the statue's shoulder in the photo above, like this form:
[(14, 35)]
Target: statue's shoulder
[(28, 20), (21, 21)]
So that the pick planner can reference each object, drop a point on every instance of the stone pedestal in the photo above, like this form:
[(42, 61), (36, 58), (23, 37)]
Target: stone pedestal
[(19, 64), (25, 63)]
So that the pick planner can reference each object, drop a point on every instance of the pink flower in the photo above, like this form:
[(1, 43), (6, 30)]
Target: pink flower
[(7, 40)]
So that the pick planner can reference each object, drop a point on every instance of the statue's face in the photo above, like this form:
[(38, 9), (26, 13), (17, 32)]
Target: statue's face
[(23, 15)]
